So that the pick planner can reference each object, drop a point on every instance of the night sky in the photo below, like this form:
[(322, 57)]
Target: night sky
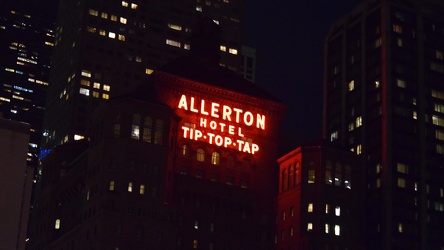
[(289, 40)]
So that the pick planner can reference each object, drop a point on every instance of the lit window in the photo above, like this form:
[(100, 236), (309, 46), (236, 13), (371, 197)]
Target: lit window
[(93, 12), (135, 132), (327, 229), (309, 226), (78, 137), (124, 4), (337, 230), (397, 28), (311, 176), (215, 158), (130, 187), (439, 135), (186, 46), (400, 83), (84, 82), (142, 189), (402, 168), (57, 224), (415, 115), (334, 135), (401, 182), (440, 149), (104, 15), (106, 87), (358, 121), (148, 71), (185, 150), (347, 177), (102, 32), (111, 186), (359, 149), (400, 227), (232, 51), (105, 96), (223, 48), (91, 29), (134, 6), (439, 108), (174, 27), (195, 244), (121, 38), (327, 208), (84, 91), (114, 18), (200, 155), (138, 59), (439, 121), (310, 207), (377, 84), (173, 43), (338, 211), (96, 85), (351, 85), (112, 35), (199, 8), (86, 73), (123, 20)]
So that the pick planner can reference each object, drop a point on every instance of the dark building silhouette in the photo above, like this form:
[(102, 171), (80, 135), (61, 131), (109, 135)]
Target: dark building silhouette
[(25, 48), (384, 101), (320, 199), (186, 161), (106, 48)]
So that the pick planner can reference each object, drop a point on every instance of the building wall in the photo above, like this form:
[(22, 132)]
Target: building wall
[(16, 182)]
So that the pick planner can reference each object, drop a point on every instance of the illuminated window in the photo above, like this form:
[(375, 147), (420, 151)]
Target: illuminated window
[(142, 189), (93, 12), (134, 6), (327, 228), (174, 27), (311, 176), (402, 168), (377, 84), (106, 87), (400, 229), (200, 156), (185, 150), (112, 35), (309, 226), (124, 4), (439, 107), (102, 32), (158, 133), (138, 59), (328, 172), (86, 73), (397, 28), (78, 137), (114, 18), (232, 51), (223, 48), (347, 177), (327, 208), (148, 71), (123, 20), (147, 128), (111, 186), (440, 149), (351, 85), (439, 121), (135, 131), (91, 29), (84, 82), (105, 96), (199, 8), (358, 121), (401, 182), (337, 230), (195, 244), (173, 43), (334, 135), (215, 158), (338, 174), (57, 224), (96, 85), (338, 211), (104, 15), (439, 55), (84, 91), (310, 207), (439, 135), (130, 187), (121, 38), (400, 83)]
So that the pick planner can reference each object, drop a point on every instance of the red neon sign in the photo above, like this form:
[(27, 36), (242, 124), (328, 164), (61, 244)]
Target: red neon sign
[(221, 133)]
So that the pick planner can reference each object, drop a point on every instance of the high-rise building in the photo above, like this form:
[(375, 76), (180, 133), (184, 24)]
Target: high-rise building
[(103, 48), (384, 99), (15, 182), (186, 161), (319, 200), (25, 47)]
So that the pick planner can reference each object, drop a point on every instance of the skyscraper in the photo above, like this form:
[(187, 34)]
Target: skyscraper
[(104, 48), (25, 50), (384, 100)]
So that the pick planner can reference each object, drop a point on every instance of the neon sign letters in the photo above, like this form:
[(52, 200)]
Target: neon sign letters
[(219, 120)]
